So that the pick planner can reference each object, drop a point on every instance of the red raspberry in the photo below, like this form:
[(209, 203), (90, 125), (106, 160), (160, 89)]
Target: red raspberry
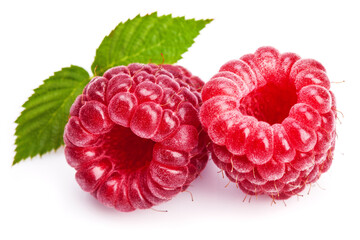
[(134, 136), (271, 119)]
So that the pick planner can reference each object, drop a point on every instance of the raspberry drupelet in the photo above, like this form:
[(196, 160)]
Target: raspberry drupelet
[(134, 136), (271, 121)]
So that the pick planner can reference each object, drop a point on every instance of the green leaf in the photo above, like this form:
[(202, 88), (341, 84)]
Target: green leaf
[(41, 124), (144, 39)]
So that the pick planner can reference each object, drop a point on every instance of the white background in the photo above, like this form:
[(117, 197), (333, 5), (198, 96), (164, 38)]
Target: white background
[(39, 198)]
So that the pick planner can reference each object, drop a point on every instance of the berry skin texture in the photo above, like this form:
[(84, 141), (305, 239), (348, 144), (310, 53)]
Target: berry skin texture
[(134, 137), (271, 121)]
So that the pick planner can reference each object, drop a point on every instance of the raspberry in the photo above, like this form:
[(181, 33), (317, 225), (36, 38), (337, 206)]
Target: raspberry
[(271, 121), (134, 136)]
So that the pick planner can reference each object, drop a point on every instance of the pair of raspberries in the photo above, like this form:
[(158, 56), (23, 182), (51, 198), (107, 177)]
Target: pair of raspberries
[(141, 133)]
